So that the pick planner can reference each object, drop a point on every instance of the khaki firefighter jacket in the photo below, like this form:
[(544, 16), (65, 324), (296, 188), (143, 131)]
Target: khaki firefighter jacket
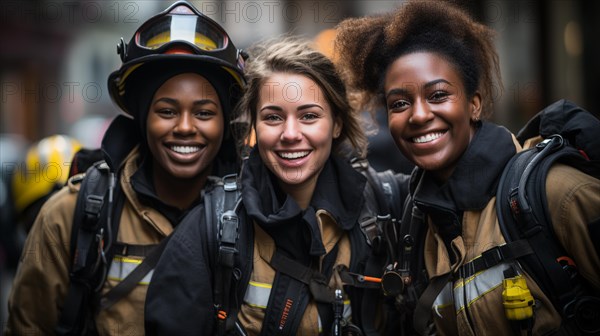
[(462, 223), (42, 279), (325, 236)]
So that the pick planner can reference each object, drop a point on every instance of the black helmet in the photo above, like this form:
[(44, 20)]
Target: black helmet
[(180, 34)]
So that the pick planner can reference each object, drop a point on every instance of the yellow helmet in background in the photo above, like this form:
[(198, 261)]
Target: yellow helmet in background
[(44, 170)]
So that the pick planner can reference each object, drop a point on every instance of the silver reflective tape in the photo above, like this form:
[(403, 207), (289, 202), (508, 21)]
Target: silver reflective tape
[(121, 267), (471, 289), (444, 299), (257, 294)]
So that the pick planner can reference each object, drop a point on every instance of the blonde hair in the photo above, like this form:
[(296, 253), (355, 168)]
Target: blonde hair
[(297, 56)]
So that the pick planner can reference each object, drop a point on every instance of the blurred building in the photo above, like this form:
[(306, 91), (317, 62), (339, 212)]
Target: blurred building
[(55, 56)]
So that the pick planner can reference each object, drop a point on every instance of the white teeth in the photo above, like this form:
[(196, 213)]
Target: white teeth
[(185, 149), (293, 155), (428, 137)]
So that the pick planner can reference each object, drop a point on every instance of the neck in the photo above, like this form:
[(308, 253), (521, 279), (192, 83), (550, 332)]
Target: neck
[(177, 192), (301, 193)]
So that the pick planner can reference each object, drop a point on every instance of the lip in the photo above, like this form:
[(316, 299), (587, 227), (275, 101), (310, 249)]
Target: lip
[(292, 163), (184, 157), (429, 145)]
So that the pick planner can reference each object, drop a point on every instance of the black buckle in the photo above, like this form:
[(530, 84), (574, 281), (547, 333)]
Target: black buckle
[(488, 259), (467, 270), (93, 205), (492, 257), (229, 227), (226, 256)]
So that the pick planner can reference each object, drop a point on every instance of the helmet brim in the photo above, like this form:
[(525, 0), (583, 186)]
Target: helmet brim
[(118, 80)]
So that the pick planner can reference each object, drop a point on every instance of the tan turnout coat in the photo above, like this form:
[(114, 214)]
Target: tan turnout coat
[(42, 279)]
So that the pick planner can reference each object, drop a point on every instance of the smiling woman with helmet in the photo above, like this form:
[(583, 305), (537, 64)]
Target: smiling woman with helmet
[(180, 78)]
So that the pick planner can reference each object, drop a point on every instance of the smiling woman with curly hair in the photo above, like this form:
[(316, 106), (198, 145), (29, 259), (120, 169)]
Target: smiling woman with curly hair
[(434, 69)]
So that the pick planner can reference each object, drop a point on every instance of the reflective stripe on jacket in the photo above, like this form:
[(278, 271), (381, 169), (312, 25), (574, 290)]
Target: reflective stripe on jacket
[(41, 283), (252, 311), (473, 306)]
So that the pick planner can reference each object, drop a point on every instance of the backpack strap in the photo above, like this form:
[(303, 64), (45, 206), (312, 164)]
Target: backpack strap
[(523, 214), (88, 268), (292, 289), (383, 205), (510, 251), (406, 278), (126, 285), (422, 313), (517, 218), (124, 249), (222, 224), (378, 220)]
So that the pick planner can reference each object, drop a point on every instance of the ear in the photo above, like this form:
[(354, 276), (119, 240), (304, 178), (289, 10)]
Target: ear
[(475, 105), (337, 127)]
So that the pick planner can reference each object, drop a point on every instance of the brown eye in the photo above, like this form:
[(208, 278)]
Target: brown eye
[(272, 117), (309, 116), (204, 114), (398, 106), (166, 112), (438, 96)]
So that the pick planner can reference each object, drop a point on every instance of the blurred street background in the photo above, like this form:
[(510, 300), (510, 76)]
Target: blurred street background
[(55, 57)]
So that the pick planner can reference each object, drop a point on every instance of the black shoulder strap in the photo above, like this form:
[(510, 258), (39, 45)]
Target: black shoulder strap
[(385, 185), (406, 278), (394, 193), (222, 223), (93, 204), (385, 193), (293, 286), (523, 214), (131, 281), (383, 207)]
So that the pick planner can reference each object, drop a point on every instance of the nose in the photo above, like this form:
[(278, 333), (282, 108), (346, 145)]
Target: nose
[(291, 131), (185, 124), (420, 113)]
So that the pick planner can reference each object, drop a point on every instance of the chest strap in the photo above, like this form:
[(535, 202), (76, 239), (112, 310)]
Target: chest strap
[(126, 250), (131, 281), (293, 287), (316, 282), (494, 256), (288, 299)]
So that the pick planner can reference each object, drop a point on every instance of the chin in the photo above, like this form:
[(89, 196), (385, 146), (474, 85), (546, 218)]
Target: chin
[(185, 174)]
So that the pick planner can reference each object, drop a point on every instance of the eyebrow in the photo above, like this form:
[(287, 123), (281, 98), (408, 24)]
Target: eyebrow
[(301, 107), (402, 91), (307, 106), (176, 102)]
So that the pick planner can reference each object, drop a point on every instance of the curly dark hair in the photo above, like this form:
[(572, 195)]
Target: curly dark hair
[(296, 55), (367, 46)]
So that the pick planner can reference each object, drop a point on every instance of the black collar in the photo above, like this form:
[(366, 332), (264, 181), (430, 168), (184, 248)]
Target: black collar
[(119, 140), (475, 179), (143, 185), (339, 191)]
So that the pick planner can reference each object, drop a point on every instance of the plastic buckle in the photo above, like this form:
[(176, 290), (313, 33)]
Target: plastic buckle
[(93, 205), (492, 257), (230, 182), (467, 270), (229, 227), (226, 256), (369, 228)]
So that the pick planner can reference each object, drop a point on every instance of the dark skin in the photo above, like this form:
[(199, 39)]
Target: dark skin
[(430, 115), (184, 130)]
